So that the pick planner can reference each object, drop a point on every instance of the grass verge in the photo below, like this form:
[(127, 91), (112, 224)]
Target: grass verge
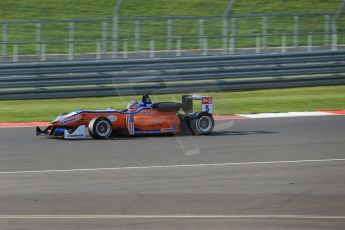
[(276, 100)]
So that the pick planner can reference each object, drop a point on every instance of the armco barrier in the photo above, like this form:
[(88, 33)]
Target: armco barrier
[(170, 75)]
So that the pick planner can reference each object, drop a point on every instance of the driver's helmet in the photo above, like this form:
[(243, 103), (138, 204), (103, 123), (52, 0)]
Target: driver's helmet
[(133, 105)]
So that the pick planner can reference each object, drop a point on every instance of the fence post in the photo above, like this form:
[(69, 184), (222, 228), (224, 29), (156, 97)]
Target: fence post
[(327, 30), (334, 35), (43, 52), (152, 48), (104, 37), (232, 45), (169, 34), (310, 42), (258, 44), (334, 41), (116, 27), (233, 30), (38, 38), (204, 47), (337, 14), (98, 50), (284, 43), (115, 36), (125, 48), (225, 35), (15, 53), (4, 39), (264, 31), (339, 11), (201, 32), (137, 36), (178, 47), (295, 30), (71, 42), (229, 8)]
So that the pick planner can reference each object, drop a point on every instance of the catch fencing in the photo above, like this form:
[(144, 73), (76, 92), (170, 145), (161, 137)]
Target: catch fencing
[(166, 36)]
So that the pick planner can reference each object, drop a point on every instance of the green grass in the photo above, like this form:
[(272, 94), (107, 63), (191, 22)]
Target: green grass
[(79, 9), (11, 10), (282, 100)]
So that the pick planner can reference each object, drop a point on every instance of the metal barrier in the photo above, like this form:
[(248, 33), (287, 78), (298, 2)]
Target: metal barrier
[(170, 75)]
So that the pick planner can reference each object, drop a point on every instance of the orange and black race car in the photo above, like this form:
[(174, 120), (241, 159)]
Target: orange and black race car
[(139, 118)]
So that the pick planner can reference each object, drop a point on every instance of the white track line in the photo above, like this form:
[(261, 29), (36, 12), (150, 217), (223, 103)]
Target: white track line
[(173, 166), (323, 217)]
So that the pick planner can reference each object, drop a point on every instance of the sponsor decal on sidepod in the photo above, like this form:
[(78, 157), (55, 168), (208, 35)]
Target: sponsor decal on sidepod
[(70, 119), (112, 118)]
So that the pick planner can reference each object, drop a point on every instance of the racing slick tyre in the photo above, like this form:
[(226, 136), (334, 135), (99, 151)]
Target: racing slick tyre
[(100, 128), (202, 123)]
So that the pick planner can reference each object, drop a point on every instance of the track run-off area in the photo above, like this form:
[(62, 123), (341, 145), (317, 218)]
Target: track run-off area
[(272, 173)]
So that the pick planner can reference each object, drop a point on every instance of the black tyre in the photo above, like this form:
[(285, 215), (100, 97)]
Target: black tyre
[(100, 128), (201, 123)]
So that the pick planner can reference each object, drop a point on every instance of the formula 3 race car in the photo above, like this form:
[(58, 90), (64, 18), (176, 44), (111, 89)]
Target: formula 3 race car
[(139, 118)]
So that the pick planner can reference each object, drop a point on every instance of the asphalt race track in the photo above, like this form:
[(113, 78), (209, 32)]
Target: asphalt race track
[(279, 173)]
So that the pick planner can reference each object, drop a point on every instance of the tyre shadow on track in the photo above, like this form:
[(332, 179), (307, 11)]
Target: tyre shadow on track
[(224, 133), (215, 133)]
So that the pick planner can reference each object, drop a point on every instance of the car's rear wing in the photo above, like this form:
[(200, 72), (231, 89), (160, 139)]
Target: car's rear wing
[(206, 103)]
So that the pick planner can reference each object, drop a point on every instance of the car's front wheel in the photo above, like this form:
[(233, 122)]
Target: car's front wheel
[(100, 128)]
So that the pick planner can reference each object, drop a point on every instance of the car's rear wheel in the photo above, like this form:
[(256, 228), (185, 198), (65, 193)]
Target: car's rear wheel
[(100, 128), (202, 123)]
